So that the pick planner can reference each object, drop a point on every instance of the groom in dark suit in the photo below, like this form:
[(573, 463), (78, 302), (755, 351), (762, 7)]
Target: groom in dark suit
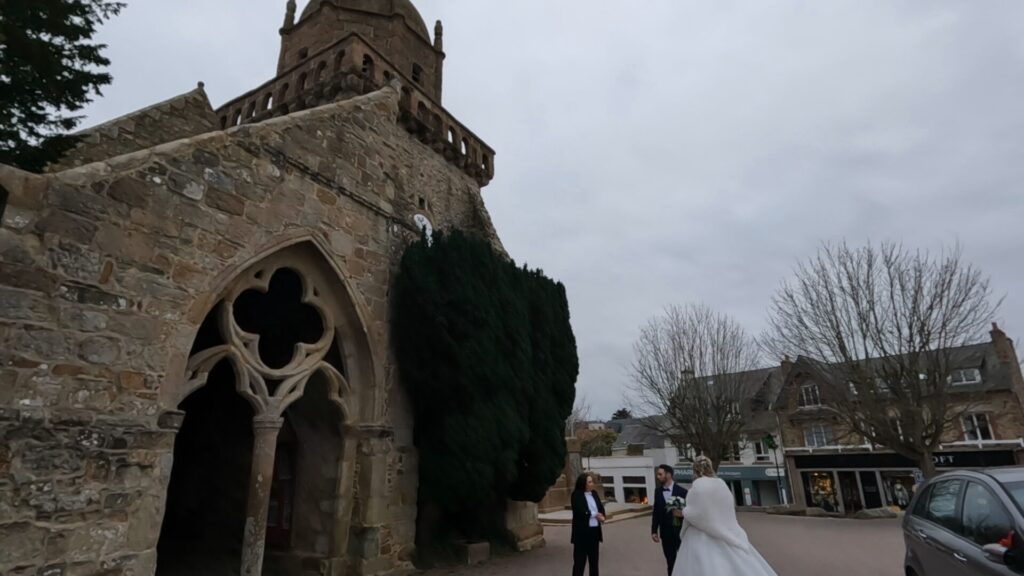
[(663, 522)]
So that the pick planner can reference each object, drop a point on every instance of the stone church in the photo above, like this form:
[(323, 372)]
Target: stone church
[(195, 368)]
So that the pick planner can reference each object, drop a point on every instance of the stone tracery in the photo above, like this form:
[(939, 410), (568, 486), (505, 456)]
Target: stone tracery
[(271, 390)]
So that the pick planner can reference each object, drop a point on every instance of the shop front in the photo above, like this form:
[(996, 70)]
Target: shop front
[(849, 483), (758, 486)]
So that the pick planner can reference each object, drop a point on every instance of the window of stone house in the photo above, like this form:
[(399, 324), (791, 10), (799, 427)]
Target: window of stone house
[(977, 428), (965, 377), (897, 426), (818, 436), (810, 396), (303, 54), (417, 73), (761, 453), (369, 66), (735, 454), (338, 60)]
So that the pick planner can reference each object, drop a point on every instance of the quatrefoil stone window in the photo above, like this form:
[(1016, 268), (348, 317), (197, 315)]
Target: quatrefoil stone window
[(277, 334)]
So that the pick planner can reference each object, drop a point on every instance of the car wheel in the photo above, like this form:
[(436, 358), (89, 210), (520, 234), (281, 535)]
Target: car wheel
[(911, 571)]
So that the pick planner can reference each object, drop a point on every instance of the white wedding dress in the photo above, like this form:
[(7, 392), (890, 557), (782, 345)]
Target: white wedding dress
[(713, 542)]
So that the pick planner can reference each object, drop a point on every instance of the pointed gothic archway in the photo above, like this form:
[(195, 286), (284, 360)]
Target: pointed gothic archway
[(284, 349)]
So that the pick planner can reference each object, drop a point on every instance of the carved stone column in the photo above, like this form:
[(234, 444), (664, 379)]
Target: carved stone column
[(264, 450)]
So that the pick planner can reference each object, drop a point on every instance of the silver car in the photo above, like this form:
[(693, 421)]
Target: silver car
[(967, 523)]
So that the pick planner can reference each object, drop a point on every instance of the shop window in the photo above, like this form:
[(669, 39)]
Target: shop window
[(942, 503), (977, 428), (810, 396), (820, 488), (609, 493), (965, 377), (634, 480), (818, 436), (897, 487)]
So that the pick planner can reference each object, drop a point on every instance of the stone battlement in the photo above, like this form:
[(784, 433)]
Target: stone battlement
[(352, 67)]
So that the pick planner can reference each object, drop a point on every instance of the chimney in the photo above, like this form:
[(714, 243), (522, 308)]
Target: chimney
[(786, 367), (1002, 345)]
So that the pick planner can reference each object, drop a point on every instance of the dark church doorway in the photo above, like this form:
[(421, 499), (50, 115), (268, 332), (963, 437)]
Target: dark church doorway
[(205, 512)]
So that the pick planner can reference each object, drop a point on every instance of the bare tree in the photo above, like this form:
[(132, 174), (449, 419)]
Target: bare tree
[(688, 377), (885, 326), (581, 413)]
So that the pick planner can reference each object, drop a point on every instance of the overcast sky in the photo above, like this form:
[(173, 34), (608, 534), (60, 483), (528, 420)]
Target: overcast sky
[(672, 151)]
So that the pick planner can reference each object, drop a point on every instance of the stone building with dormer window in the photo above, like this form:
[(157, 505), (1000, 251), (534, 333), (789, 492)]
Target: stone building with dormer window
[(841, 472)]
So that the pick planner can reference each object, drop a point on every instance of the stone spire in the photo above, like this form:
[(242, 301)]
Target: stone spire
[(289, 15), (439, 36)]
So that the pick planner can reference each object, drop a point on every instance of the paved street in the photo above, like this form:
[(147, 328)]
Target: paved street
[(793, 546)]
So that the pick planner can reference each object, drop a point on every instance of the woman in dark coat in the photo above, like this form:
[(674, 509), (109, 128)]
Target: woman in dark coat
[(587, 518)]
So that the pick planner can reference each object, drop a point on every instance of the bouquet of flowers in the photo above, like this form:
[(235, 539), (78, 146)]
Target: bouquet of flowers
[(676, 503)]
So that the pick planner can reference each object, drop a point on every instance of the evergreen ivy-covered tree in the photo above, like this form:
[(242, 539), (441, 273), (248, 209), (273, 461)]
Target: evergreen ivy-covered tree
[(488, 357), (49, 66)]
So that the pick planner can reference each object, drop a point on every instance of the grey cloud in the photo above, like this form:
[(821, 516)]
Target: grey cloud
[(665, 151)]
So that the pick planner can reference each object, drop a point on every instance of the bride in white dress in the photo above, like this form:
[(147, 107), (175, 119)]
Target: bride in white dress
[(713, 542)]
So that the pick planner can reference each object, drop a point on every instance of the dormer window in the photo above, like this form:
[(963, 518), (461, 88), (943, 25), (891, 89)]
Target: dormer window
[(417, 73), (965, 377), (810, 396)]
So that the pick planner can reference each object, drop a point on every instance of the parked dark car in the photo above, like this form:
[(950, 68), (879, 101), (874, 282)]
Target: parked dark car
[(967, 523)]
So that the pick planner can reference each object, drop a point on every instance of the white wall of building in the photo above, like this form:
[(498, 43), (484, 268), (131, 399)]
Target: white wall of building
[(616, 470)]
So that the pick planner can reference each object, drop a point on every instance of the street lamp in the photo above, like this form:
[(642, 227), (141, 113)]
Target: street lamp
[(771, 444)]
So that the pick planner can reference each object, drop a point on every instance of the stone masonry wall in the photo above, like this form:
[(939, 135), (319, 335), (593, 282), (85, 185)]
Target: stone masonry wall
[(183, 116), (106, 272)]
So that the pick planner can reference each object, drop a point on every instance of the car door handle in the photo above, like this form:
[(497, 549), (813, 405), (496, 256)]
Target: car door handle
[(960, 558), (922, 535)]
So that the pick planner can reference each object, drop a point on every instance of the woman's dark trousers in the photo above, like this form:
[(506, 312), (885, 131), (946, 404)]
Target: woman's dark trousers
[(586, 550)]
